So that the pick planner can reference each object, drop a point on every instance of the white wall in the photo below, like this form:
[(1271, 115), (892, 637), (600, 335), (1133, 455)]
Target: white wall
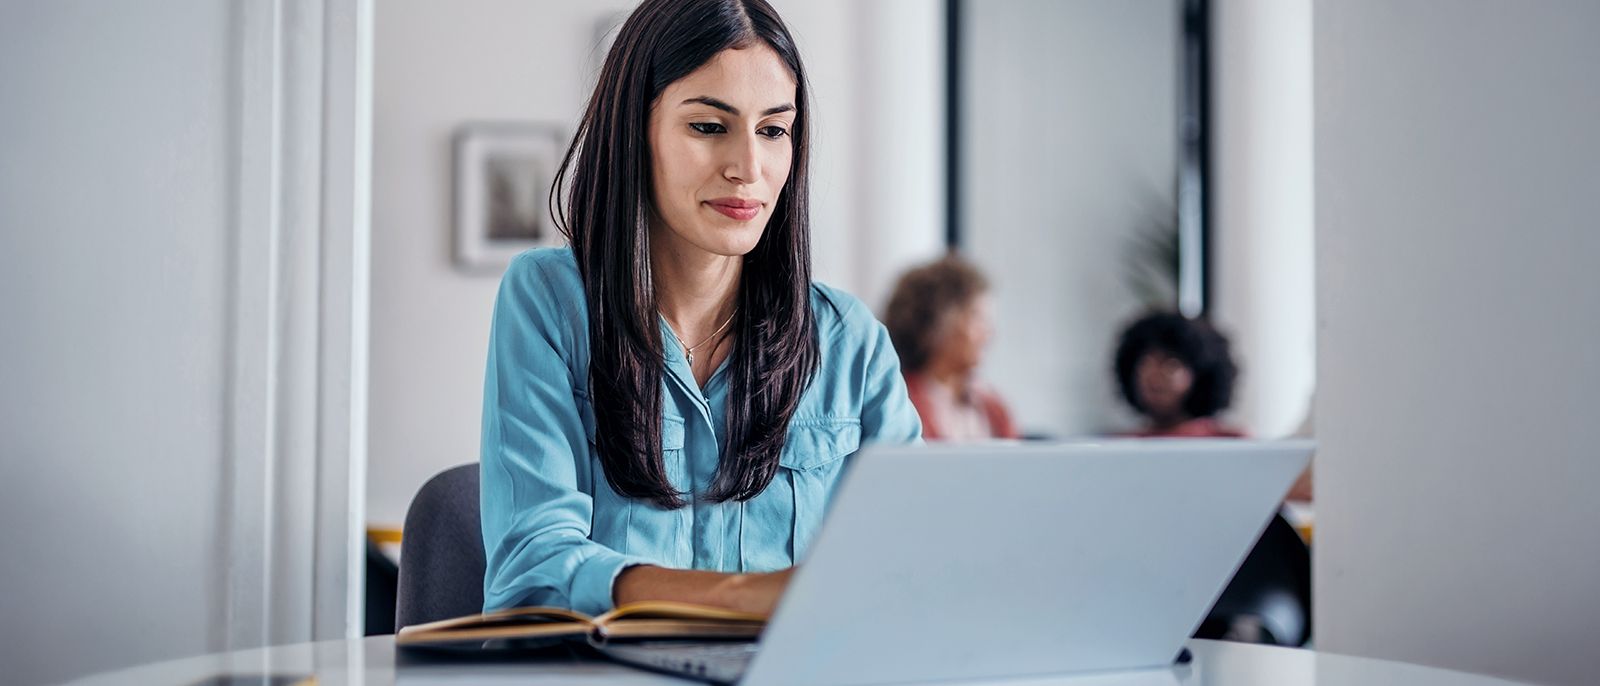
[(877, 183), (180, 232), (895, 129), (112, 358), (1458, 162), (438, 65), (1070, 132), (1261, 194)]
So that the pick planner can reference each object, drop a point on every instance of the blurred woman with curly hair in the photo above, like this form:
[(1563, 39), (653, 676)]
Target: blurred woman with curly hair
[(939, 322), (1178, 373)]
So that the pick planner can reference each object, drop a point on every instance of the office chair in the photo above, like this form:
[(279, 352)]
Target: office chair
[(1269, 598), (441, 553)]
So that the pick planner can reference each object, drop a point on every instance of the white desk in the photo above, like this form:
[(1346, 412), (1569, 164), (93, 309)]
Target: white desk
[(371, 662)]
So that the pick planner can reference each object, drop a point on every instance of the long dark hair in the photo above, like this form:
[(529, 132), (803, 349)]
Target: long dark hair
[(605, 214)]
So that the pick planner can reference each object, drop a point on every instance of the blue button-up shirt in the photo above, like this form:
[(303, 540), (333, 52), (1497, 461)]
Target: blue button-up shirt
[(554, 531)]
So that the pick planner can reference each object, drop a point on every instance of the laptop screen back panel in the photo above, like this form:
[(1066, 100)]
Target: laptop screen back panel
[(966, 562)]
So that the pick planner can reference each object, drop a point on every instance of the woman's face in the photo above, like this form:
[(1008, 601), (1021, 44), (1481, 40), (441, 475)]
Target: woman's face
[(967, 331), (720, 151), (1163, 382)]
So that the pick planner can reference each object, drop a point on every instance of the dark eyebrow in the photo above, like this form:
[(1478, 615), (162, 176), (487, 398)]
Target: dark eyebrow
[(730, 109)]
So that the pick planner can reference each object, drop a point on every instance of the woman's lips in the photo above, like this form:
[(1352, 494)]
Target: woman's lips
[(740, 210)]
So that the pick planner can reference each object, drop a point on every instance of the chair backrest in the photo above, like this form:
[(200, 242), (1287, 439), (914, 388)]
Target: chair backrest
[(441, 551)]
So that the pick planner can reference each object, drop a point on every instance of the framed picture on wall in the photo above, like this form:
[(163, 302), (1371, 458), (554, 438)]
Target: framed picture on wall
[(503, 173)]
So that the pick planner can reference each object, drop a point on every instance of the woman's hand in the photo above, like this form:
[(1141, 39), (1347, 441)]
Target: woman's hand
[(753, 593)]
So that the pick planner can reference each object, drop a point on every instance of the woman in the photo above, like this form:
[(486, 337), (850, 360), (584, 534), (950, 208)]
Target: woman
[(938, 318), (669, 402), (1178, 373)]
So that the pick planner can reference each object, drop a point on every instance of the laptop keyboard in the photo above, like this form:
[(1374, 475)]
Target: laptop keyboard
[(719, 661)]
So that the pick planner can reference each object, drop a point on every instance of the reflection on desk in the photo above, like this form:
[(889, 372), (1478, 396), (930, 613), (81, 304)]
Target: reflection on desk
[(373, 662)]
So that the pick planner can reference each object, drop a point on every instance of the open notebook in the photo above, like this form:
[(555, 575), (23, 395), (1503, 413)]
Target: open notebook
[(545, 625)]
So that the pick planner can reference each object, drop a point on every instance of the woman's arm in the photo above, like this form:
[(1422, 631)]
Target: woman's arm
[(754, 593), (536, 518), (1302, 488)]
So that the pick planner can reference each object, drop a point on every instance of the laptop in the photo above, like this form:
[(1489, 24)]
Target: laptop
[(1002, 560)]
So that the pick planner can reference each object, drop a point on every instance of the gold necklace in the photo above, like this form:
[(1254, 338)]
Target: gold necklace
[(688, 350)]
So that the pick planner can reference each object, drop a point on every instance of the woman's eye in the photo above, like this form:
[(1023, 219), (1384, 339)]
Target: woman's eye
[(773, 132), (707, 127)]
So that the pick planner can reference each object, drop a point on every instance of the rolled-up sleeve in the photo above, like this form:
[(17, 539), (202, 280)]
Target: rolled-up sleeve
[(536, 518)]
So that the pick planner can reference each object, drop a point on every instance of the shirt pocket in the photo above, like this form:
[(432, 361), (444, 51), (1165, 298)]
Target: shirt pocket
[(792, 506)]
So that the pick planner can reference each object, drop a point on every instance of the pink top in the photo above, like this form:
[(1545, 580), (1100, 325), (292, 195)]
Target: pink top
[(1200, 427), (947, 416)]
